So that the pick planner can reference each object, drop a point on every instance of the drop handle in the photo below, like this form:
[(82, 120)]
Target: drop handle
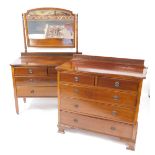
[(117, 84), (75, 120), (32, 91), (114, 113), (30, 71), (76, 79), (116, 97), (76, 90), (112, 128), (31, 80), (76, 105)]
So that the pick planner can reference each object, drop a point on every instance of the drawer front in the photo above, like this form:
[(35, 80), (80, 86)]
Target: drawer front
[(98, 125), (97, 109), (29, 91), (117, 83), (77, 78), (52, 70), (29, 71), (121, 98), (37, 81)]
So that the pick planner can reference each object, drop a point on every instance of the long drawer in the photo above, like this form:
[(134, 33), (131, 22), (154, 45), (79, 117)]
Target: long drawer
[(29, 71), (39, 81), (97, 109), (99, 125), (117, 83), (122, 98), (34, 91)]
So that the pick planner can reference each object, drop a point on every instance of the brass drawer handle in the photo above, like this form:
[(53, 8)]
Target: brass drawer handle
[(76, 105), (30, 71), (114, 113), (75, 120), (117, 84), (76, 79), (32, 91), (113, 128), (76, 90), (116, 98), (31, 80)]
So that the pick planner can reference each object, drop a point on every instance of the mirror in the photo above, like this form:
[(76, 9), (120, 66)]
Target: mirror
[(50, 27)]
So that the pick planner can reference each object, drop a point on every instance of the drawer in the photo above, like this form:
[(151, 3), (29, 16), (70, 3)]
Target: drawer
[(77, 78), (97, 109), (117, 83), (29, 71), (99, 125), (38, 81), (52, 70), (32, 91), (110, 96)]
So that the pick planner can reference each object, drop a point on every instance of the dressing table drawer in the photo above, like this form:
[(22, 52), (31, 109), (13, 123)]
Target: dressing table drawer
[(117, 83), (52, 70), (29, 71), (39, 81), (34, 91), (77, 78), (99, 125)]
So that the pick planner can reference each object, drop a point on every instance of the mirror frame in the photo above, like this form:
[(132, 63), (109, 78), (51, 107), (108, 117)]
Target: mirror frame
[(48, 42)]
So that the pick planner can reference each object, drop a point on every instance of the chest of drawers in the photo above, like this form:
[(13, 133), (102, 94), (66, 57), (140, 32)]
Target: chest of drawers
[(34, 75), (101, 94)]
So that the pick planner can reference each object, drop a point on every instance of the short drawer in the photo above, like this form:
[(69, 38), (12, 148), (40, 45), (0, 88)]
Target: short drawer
[(118, 83), (52, 70), (77, 78), (29, 71), (37, 81), (99, 125), (97, 109), (28, 91), (109, 96)]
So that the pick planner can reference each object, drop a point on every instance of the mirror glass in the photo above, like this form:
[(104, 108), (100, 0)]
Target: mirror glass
[(52, 27)]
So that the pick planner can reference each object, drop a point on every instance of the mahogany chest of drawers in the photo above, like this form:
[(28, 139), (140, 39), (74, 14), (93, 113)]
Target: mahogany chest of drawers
[(101, 94), (34, 75)]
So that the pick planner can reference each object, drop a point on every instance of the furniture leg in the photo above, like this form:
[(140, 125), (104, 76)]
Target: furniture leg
[(16, 105), (61, 129), (24, 99), (131, 146)]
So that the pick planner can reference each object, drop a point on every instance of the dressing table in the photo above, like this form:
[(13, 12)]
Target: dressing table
[(34, 73)]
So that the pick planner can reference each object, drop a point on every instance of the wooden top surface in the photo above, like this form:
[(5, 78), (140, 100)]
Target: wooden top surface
[(105, 65), (42, 59)]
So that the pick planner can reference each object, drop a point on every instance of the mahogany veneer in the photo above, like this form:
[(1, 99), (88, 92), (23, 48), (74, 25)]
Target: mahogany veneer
[(101, 94), (34, 74)]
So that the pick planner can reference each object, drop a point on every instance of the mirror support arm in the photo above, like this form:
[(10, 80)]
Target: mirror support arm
[(25, 45)]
